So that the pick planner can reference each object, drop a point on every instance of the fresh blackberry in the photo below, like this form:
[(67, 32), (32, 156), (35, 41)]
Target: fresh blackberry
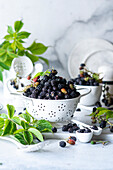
[(94, 109), (31, 89), (60, 86), (53, 82), (82, 65), (60, 94), (53, 72), (78, 110), (70, 130), (87, 130), (62, 144), (55, 88), (73, 137), (73, 94), (70, 125), (19, 113), (81, 130), (65, 128), (45, 78), (103, 124), (53, 94), (66, 96), (75, 128), (42, 94), (39, 87), (22, 85), (54, 129), (111, 129), (98, 104)]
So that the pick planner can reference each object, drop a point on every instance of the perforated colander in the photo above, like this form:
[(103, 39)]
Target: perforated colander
[(53, 110)]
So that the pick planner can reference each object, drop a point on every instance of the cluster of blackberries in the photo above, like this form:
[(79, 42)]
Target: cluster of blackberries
[(70, 127), (14, 84), (107, 97), (84, 78), (85, 130), (51, 87)]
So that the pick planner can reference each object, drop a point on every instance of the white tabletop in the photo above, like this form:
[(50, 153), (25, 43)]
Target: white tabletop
[(81, 156)]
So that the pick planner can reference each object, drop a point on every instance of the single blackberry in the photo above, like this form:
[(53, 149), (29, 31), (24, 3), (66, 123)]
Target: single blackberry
[(111, 129), (55, 88), (98, 104), (82, 65), (69, 125), (87, 130), (103, 124), (65, 128), (60, 86), (66, 96), (94, 109), (73, 137), (62, 144), (78, 110), (94, 127), (54, 129), (53, 82), (39, 87), (70, 130), (81, 130), (45, 78)]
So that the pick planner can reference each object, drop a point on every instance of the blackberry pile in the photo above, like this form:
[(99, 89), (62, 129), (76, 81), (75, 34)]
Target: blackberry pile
[(51, 87), (85, 77)]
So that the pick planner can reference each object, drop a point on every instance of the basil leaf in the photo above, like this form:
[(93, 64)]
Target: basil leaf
[(24, 124), (13, 45), (44, 59), (43, 125), (19, 45), (12, 55), (23, 35), (26, 117), (4, 66), (19, 137), (7, 127), (1, 122), (18, 25), (37, 48), (1, 75), (4, 116), (28, 137), (11, 110), (32, 57), (18, 131), (16, 120), (9, 37), (36, 133), (10, 30), (1, 131), (3, 57), (13, 129)]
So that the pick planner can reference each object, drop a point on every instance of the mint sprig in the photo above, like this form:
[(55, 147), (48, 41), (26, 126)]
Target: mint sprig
[(13, 46), (29, 127)]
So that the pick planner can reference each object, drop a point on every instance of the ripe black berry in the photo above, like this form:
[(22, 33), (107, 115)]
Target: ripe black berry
[(70, 130), (62, 144), (65, 128), (103, 124), (54, 129), (94, 127), (111, 129), (73, 137), (78, 109)]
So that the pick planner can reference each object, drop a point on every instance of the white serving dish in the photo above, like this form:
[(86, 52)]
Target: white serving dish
[(84, 137), (93, 52), (92, 97)]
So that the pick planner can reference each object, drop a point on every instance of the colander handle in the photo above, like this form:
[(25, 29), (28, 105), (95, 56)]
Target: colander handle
[(87, 89)]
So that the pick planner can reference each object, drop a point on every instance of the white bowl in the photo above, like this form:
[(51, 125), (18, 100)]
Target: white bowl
[(84, 137), (92, 97)]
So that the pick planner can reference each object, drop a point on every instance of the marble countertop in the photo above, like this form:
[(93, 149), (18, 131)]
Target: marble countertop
[(81, 156)]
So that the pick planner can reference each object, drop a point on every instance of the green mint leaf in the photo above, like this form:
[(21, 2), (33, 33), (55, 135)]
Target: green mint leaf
[(26, 117), (12, 55), (1, 122), (18, 25), (13, 45), (18, 131), (10, 30), (1, 75), (9, 37), (24, 124), (1, 132), (7, 128), (11, 110), (32, 57), (13, 129), (16, 120), (19, 137), (37, 48), (44, 59), (23, 35), (19, 45), (28, 137), (21, 52), (36, 133), (4, 116), (43, 125), (3, 57), (8, 61), (21, 41), (4, 66), (42, 73), (2, 51)]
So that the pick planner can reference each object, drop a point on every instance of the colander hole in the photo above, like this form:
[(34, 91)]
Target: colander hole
[(41, 103), (58, 106), (59, 110), (62, 109), (44, 106), (43, 110), (64, 105)]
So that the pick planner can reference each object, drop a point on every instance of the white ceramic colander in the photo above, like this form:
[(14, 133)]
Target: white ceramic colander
[(53, 110)]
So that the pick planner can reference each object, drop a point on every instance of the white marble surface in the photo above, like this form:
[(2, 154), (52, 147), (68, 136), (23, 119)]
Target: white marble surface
[(81, 156), (59, 23)]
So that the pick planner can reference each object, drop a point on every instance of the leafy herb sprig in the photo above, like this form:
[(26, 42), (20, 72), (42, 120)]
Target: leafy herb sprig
[(29, 127), (102, 114), (13, 47)]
